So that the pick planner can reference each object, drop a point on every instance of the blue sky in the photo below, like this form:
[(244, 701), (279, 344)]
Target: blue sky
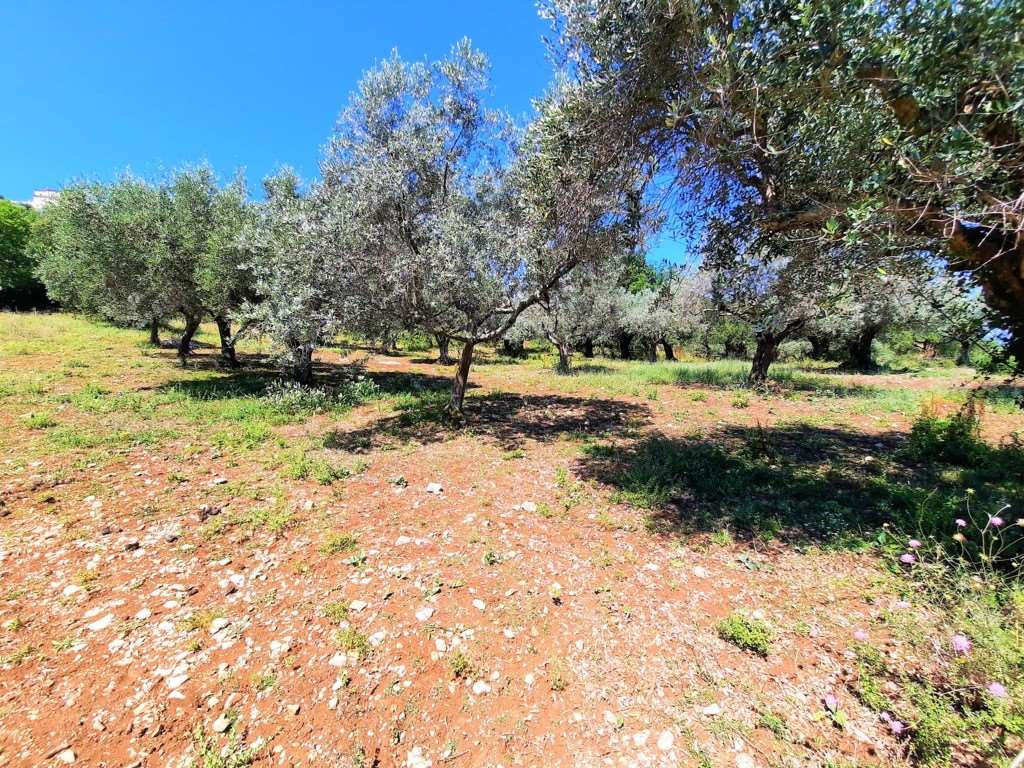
[(94, 88)]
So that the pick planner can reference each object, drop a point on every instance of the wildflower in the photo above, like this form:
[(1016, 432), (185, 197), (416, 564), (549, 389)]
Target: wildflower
[(907, 559), (996, 520), (897, 727), (961, 523), (997, 689), (860, 636), (831, 702), (962, 643), (1020, 522), (959, 537), (902, 605), (915, 544)]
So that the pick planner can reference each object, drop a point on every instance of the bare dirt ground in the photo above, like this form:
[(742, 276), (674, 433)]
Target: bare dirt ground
[(185, 597)]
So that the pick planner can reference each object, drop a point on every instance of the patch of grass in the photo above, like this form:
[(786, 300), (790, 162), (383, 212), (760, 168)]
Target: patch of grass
[(746, 633), (336, 611), (199, 620), (558, 676), (264, 681), (207, 753), (459, 664), (337, 543), (351, 640), (40, 421)]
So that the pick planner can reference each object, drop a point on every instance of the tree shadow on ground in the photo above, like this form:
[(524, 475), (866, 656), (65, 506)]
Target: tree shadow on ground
[(797, 484), (506, 419)]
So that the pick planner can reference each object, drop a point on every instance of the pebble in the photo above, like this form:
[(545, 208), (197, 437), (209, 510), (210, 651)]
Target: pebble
[(377, 638), (479, 604), (416, 759), (528, 506), (743, 760), (480, 688), (665, 741), (357, 605), (218, 624), (221, 724), (424, 613), (401, 541), (712, 709), (293, 709), (67, 756), (434, 488), (701, 572), (176, 681)]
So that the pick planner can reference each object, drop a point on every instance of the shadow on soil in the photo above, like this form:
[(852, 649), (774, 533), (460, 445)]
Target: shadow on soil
[(507, 419), (795, 483)]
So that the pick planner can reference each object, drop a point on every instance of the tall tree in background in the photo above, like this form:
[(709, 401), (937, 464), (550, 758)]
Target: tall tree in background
[(19, 287)]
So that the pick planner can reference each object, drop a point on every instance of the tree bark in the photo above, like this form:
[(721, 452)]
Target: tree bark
[(651, 351), (964, 355), (443, 356), (461, 380), (929, 349), (185, 342), (302, 364), (819, 347), (512, 348), (669, 352), (625, 341), (764, 355), (154, 333), (227, 344), (588, 348), (858, 352)]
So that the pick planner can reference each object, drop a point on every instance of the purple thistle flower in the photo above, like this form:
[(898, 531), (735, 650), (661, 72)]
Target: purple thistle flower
[(902, 604), (996, 520), (897, 727), (860, 636), (915, 544), (961, 523), (962, 643), (831, 702), (997, 689), (907, 559)]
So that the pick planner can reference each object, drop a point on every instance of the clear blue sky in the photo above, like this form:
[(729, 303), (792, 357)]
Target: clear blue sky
[(94, 87)]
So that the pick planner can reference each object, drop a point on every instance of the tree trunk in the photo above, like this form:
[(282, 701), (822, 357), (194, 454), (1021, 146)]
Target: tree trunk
[(302, 364), (185, 342), (819, 347), (625, 345), (461, 380), (443, 356), (512, 348), (929, 350), (764, 355), (154, 333), (964, 355), (227, 344), (588, 348), (651, 351), (669, 352), (859, 351)]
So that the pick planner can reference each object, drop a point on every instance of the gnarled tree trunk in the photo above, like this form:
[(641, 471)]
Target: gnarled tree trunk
[(227, 343), (669, 352), (819, 346), (154, 332), (651, 351), (185, 342), (443, 342), (302, 363), (461, 380), (625, 341), (588, 348), (512, 348), (765, 353), (858, 352)]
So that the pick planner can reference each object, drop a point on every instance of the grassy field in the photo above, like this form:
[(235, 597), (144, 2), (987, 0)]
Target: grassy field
[(637, 564)]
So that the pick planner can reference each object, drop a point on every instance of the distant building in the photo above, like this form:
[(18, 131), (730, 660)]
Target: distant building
[(42, 198)]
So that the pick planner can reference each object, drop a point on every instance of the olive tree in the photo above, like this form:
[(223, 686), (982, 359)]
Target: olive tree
[(466, 222)]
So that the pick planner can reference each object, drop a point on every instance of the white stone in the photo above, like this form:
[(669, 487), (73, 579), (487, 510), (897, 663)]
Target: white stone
[(480, 688), (357, 605), (528, 506), (218, 624), (101, 624), (67, 756), (71, 589), (424, 613), (221, 724), (377, 638), (434, 488), (665, 741), (479, 604), (640, 739), (416, 759), (176, 681), (701, 572), (712, 709), (743, 760), (401, 541)]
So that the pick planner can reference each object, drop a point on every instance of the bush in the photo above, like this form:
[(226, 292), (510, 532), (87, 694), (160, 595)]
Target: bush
[(953, 439), (295, 399)]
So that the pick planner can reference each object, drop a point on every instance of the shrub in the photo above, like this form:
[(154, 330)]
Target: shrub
[(953, 439), (746, 633)]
